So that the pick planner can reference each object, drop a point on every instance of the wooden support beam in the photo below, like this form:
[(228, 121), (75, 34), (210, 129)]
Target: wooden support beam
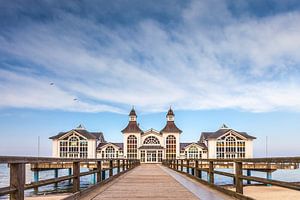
[(181, 165), (196, 171), (211, 172), (76, 178), (238, 179), (118, 165), (17, 180), (55, 176), (188, 166), (110, 168), (99, 168), (123, 165)]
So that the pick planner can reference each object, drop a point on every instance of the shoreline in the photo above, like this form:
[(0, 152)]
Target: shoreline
[(263, 192)]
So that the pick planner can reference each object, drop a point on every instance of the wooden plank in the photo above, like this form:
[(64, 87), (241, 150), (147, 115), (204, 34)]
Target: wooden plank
[(17, 180), (147, 181), (211, 172), (99, 168), (284, 184), (238, 180), (6, 190), (76, 178), (110, 168)]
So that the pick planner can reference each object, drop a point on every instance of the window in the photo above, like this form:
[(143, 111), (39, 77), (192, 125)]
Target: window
[(73, 147), (193, 152), (151, 140), (230, 146), (110, 152), (63, 149), (142, 156), (132, 147), (170, 147)]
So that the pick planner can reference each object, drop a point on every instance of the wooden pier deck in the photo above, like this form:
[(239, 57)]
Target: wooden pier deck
[(153, 181)]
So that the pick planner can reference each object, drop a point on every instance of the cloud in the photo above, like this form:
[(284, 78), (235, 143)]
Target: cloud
[(209, 58)]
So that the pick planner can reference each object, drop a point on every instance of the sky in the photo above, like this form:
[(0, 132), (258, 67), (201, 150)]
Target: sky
[(63, 63)]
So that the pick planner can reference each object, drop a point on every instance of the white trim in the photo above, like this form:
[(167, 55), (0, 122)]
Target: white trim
[(234, 133), (69, 133)]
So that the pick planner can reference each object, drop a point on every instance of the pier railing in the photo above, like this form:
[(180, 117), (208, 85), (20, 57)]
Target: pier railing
[(241, 171), (98, 167)]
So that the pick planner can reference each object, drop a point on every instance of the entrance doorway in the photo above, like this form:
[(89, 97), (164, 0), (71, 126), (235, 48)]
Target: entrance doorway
[(151, 156)]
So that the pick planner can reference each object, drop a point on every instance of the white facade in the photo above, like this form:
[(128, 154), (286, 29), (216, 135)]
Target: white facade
[(153, 146)]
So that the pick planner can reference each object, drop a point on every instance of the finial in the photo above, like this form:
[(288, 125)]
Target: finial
[(224, 126)]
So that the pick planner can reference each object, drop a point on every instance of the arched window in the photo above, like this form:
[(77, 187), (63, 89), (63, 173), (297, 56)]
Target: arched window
[(73, 147), (73, 144), (151, 140), (132, 147), (230, 146), (170, 147), (110, 152), (193, 152)]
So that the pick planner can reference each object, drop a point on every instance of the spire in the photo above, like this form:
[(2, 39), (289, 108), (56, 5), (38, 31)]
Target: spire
[(132, 112), (132, 115), (170, 126), (133, 126), (170, 115)]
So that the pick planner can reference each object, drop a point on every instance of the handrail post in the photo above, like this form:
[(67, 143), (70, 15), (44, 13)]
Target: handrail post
[(123, 165), (238, 179), (188, 166), (177, 164), (181, 165), (76, 178), (196, 171), (211, 172), (17, 180), (127, 164), (118, 163), (110, 168), (99, 168)]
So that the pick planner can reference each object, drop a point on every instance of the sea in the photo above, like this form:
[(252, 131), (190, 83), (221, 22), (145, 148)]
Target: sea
[(62, 187), (289, 175)]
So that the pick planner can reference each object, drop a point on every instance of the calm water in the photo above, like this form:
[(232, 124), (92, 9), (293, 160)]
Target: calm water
[(86, 181), (64, 186)]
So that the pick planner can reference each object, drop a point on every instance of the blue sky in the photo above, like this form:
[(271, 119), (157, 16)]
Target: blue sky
[(233, 62)]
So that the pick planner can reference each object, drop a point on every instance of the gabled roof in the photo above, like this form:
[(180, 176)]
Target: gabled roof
[(151, 131), (171, 128), (132, 127), (120, 145), (89, 135), (184, 145), (223, 130)]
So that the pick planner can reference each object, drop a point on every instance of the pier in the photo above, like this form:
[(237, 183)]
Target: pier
[(125, 178)]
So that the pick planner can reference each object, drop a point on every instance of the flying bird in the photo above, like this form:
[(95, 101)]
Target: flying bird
[(75, 99), (51, 83)]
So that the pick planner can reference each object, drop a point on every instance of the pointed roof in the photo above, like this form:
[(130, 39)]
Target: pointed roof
[(89, 135), (171, 128), (170, 112), (132, 112), (132, 127)]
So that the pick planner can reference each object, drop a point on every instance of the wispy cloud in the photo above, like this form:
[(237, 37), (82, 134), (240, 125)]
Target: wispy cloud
[(208, 58)]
